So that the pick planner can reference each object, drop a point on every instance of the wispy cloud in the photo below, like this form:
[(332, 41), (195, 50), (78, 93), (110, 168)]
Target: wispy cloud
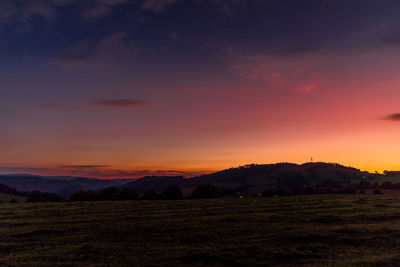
[(299, 74), (91, 52), (119, 103), (96, 171), (50, 105), (57, 106), (179, 89), (102, 8), (21, 170), (106, 103), (157, 5), (83, 166), (23, 10)]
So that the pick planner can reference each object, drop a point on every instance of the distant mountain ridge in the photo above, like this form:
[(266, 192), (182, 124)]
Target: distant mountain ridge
[(62, 185)]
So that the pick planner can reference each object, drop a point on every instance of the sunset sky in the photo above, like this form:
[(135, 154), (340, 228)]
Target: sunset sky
[(125, 88)]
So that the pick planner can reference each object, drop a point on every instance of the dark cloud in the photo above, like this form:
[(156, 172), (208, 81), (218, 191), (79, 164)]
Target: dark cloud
[(119, 103), (393, 117)]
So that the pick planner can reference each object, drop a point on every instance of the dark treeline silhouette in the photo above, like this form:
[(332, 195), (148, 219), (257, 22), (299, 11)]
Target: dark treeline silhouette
[(37, 196), (359, 188), (205, 191), (149, 195), (109, 193), (391, 173), (172, 192)]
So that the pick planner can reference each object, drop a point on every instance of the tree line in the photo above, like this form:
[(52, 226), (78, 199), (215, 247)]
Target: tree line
[(172, 192), (359, 188)]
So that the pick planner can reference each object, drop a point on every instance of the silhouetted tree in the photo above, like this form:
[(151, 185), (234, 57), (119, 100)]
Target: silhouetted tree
[(309, 191), (149, 195), (35, 196), (109, 193), (364, 185), (82, 195), (128, 194), (268, 193), (173, 192), (13, 201), (377, 192), (347, 190), (205, 191), (280, 192)]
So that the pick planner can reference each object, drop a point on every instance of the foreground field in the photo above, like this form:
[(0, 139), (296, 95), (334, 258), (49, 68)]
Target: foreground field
[(325, 230)]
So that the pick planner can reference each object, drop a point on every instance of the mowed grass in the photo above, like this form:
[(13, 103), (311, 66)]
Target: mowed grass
[(328, 230)]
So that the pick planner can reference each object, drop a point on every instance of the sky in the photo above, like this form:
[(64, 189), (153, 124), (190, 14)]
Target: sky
[(126, 88)]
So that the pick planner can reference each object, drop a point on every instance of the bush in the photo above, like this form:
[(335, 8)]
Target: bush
[(13, 201), (173, 192), (205, 191)]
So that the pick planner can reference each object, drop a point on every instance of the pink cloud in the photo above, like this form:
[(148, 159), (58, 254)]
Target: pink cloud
[(306, 89), (297, 74)]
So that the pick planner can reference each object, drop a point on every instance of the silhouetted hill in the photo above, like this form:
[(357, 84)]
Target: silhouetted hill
[(4, 189), (253, 178)]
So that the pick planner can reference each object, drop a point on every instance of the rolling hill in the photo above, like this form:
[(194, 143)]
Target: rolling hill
[(252, 179)]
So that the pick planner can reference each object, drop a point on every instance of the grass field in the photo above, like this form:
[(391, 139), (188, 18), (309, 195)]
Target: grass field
[(330, 230)]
